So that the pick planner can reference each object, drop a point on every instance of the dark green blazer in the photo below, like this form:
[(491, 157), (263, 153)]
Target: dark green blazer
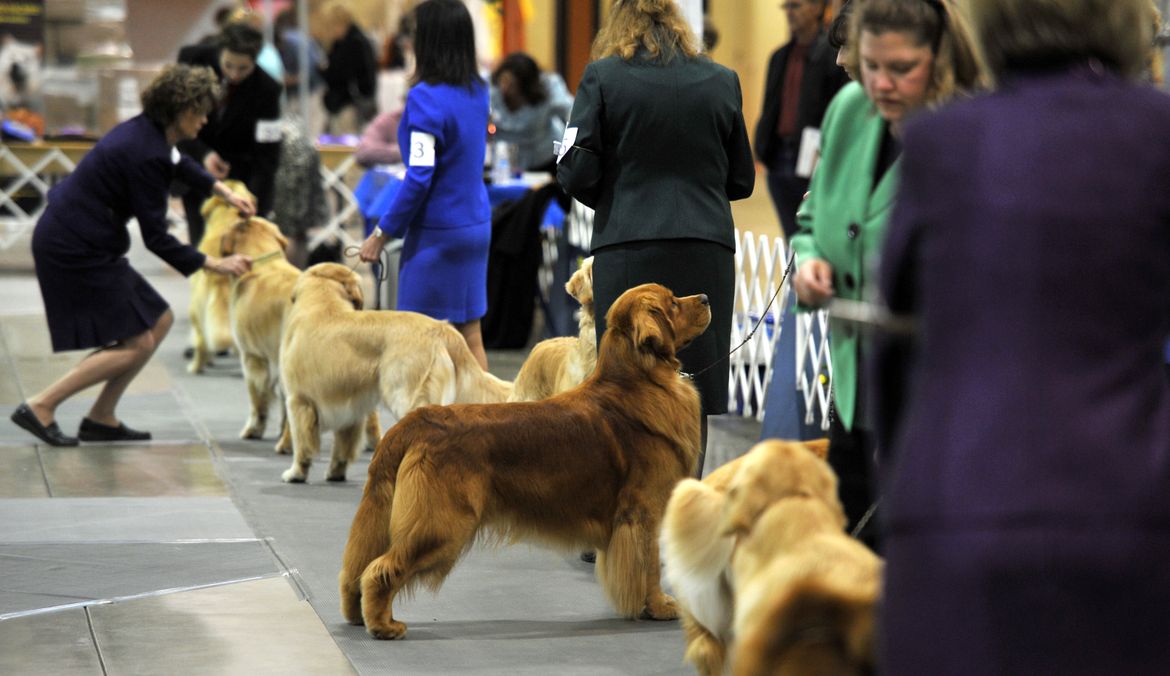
[(659, 151), (843, 221)]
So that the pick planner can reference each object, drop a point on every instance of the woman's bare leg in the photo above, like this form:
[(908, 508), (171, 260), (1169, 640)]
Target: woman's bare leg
[(103, 365), (103, 407), (474, 338)]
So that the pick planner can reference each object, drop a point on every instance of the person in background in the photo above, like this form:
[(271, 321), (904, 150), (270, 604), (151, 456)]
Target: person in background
[(837, 36), (441, 210), (529, 109), (656, 144), (351, 71), (379, 141), (241, 139), (1027, 470), (802, 78), (910, 55), (93, 298), (269, 57)]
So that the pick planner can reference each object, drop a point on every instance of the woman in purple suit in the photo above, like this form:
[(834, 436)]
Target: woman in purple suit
[(1027, 525), (93, 298)]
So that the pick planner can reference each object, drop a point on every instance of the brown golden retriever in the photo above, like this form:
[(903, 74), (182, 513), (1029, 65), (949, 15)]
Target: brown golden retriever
[(560, 364), (591, 468), (715, 543), (338, 362), (211, 330)]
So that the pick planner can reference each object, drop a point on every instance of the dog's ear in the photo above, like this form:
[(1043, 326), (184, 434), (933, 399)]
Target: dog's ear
[(230, 242), (209, 205), (580, 285), (819, 447), (652, 330), (353, 289)]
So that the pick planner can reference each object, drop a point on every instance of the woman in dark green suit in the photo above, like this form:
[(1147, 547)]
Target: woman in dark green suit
[(909, 55), (656, 144)]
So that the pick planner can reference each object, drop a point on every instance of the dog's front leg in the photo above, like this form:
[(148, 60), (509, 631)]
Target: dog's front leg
[(345, 448), (306, 437), (659, 605)]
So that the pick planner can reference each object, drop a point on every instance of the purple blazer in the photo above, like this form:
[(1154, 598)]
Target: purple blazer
[(1031, 238)]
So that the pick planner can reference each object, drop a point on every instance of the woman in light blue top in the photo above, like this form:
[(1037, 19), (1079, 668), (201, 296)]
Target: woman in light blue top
[(529, 109), (442, 211)]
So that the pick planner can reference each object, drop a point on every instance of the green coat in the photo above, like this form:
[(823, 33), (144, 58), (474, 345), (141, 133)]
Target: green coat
[(844, 222)]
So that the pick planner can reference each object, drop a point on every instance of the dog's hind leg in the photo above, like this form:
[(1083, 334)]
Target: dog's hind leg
[(432, 523), (284, 443), (704, 649), (345, 450), (369, 538), (306, 438), (256, 375), (200, 354)]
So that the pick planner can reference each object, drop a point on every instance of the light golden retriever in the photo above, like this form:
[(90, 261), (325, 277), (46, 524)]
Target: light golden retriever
[(591, 468), (562, 363), (337, 362), (211, 330), (709, 526)]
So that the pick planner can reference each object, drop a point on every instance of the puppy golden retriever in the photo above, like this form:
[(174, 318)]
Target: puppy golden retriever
[(704, 521), (805, 594), (589, 468), (337, 362), (207, 309), (562, 363)]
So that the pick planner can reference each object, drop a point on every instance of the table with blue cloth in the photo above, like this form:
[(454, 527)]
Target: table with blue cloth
[(378, 186)]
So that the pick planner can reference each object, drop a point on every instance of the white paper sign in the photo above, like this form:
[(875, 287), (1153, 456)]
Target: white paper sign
[(422, 149), (566, 142), (809, 153), (268, 131), (175, 156)]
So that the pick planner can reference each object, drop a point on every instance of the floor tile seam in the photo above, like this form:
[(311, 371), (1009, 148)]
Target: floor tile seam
[(134, 597), (97, 648), (130, 541)]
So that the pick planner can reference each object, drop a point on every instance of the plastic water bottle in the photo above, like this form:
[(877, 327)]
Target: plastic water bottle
[(501, 163)]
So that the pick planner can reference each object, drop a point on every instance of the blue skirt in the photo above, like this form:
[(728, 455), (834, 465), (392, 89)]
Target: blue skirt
[(443, 272)]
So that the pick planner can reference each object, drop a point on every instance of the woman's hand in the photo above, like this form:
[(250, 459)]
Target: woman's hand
[(814, 282), (241, 204), (234, 265), (372, 248), (216, 165)]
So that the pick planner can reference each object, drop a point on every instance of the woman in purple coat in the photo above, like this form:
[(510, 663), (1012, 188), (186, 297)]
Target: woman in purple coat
[(93, 298), (1027, 525)]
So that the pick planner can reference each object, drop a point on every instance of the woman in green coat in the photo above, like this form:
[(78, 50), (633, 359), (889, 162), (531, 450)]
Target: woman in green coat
[(909, 54)]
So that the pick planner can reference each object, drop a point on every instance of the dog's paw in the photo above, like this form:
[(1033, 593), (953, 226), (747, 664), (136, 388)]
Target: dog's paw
[(252, 431), (662, 608), (282, 448), (293, 475), (335, 476), (390, 631), (196, 366)]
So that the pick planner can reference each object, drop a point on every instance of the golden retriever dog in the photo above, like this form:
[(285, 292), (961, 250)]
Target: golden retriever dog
[(703, 524), (337, 362), (562, 363), (591, 468), (211, 330), (805, 594)]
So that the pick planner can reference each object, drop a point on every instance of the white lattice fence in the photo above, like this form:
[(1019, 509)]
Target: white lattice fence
[(24, 180), (759, 271), (814, 367)]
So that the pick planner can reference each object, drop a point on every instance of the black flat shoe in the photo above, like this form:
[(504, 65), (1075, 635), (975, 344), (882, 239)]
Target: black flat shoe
[(52, 435), (95, 431)]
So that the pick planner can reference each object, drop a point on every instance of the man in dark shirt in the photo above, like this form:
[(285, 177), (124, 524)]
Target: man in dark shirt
[(802, 78), (241, 139)]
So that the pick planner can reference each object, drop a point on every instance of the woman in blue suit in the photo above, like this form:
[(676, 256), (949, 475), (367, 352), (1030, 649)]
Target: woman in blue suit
[(442, 209)]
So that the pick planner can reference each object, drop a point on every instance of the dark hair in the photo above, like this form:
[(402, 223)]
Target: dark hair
[(527, 74), (444, 44), (177, 89), (240, 38), (838, 33)]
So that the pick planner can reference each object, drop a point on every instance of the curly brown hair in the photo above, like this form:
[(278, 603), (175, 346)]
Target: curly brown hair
[(179, 88), (654, 25)]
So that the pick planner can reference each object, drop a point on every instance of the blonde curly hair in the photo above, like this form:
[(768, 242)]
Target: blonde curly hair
[(654, 25)]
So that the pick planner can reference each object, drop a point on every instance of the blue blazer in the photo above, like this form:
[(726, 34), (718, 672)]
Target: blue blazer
[(443, 136)]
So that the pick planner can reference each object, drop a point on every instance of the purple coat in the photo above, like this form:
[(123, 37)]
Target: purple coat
[(1027, 486)]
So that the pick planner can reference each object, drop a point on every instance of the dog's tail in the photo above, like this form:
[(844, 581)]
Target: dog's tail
[(813, 629), (473, 385), (369, 536), (696, 555)]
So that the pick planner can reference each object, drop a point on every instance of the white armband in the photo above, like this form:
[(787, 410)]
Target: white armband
[(422, 149), (268, 131)]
